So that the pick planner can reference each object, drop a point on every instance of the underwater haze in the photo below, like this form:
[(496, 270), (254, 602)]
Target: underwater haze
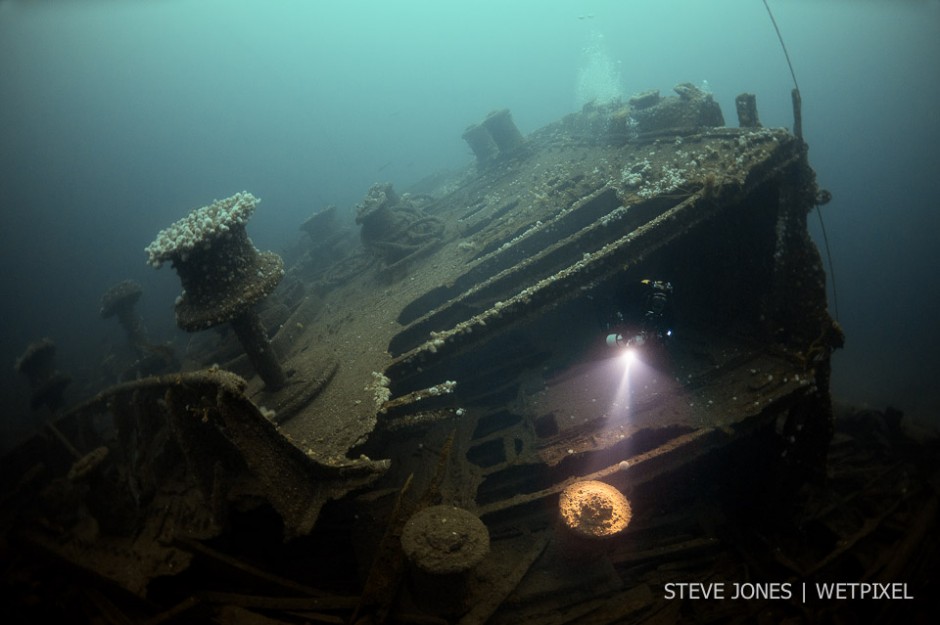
[(118, 118)]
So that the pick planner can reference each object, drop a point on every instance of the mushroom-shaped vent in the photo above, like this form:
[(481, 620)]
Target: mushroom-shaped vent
[(223, 276), (120, 298)]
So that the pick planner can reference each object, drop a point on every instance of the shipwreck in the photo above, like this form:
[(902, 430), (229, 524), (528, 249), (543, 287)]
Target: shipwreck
[(435, 419)]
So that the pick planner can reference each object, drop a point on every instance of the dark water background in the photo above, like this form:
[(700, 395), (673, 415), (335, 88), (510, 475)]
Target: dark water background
[(118, 118)]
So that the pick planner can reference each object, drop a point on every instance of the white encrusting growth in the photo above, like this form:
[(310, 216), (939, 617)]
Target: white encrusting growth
[(200, 227)]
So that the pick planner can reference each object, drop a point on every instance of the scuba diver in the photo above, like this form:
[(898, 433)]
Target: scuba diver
[(651, 320)]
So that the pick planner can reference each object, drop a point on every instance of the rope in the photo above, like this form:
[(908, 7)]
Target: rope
[(832, 273), (798, 130), (782, 45)]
